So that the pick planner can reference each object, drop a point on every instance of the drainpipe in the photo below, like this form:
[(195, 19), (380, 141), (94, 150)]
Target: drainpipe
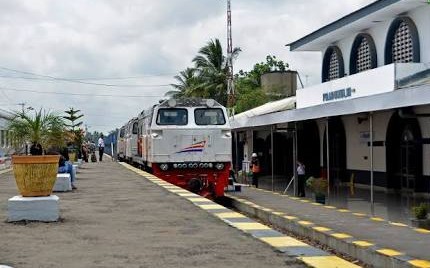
[(272, 156), (296, 181), (372, 201), (328, 160), (236, 167)]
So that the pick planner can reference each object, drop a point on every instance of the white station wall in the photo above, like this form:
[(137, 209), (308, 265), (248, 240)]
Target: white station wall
[(421, 18)]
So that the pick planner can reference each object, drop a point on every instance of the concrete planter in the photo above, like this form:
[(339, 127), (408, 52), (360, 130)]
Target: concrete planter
[(421, 223)]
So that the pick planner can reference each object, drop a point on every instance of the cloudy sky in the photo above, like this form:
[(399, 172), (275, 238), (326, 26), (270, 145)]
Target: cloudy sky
[(113, 58)]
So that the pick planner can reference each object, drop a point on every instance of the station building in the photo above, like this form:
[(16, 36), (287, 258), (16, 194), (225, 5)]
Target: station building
[(5, 142), (368, 121)]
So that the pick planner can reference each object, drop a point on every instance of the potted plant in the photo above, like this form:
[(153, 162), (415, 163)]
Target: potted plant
[(421, 216), (319, 187), (35, 175)]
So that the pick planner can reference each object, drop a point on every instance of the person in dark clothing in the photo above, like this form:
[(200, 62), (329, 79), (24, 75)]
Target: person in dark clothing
[(101, 144), (36, 149), (64, 166), (255, 168), (301, 173)]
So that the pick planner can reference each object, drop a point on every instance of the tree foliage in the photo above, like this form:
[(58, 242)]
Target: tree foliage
[(208, 78), (44, 127), (248, 84)]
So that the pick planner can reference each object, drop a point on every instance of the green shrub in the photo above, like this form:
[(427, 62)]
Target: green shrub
[(421, 211), (317, 185)]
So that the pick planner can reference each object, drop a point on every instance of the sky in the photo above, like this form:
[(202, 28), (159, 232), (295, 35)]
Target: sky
[(111, 59)]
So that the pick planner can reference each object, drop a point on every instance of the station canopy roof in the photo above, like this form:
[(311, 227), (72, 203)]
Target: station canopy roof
[(272, 107), (364, 18), (403, 97)]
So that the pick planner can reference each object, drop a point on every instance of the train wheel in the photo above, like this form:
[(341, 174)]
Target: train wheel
[(194, 185)]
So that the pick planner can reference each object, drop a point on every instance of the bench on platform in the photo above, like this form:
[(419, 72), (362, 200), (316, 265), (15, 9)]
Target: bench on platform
[(63, 183)]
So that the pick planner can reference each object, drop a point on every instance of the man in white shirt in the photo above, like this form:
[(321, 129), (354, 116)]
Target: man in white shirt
[(101, 144)]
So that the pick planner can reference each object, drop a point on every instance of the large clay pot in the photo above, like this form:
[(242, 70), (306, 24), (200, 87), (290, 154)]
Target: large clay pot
[(35, 175)]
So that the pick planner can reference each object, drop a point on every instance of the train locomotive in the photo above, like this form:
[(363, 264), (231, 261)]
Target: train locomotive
[(186, 142)]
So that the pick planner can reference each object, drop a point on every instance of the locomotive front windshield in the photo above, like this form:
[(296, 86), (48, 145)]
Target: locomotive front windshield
[(209, 116), (172, 116)]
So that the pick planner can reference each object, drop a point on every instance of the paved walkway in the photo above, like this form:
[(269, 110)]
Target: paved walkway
[(116, 218), (399, 238)]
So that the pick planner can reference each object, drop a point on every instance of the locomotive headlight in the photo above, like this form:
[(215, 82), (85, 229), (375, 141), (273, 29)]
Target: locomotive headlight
[(154, 135), (171, 103), (219, 166), (164, 167), (210, 165), (175, 165), (210, 103)]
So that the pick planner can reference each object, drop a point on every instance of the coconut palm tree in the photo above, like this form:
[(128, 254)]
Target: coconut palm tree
[(44, 128), (212, 71), (187, 81)]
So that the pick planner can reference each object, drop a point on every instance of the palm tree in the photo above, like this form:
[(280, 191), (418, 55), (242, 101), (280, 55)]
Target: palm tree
[(186, 84), (212, 71), (45, 128)]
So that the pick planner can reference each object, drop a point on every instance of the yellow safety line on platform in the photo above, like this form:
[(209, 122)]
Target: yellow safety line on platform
[(177, 190), (199, 199), (344, 210), (389, 252), (420, 263), (321, 229), (398, 224), (341, 235), (363, 244), (305, 223), (229, 215), (377, 219), (278, 213), (360, 243), (187, 194), (283, 241), (423, 231), (209, 207), (327, 262), (246, 226)]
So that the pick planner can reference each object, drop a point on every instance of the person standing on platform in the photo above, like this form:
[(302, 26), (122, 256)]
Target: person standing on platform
[(301, 172), (101, 144), (255, 168)]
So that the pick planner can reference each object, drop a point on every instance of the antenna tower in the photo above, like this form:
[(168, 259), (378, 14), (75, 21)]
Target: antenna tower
[(230, 84)]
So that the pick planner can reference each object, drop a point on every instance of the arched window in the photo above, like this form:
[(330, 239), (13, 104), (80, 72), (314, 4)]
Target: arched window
[(332, 64), (402, 44), (363, 54)]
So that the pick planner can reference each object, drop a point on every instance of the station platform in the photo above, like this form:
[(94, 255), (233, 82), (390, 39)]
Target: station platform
[(123, 217), (355, 233)]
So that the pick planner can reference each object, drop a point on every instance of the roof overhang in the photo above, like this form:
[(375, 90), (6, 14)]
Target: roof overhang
[(358, 21), (405, 97)]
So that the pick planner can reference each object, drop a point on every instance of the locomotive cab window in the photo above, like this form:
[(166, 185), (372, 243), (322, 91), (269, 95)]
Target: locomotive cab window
[(122, 133), (172, 117), (211, 116)]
